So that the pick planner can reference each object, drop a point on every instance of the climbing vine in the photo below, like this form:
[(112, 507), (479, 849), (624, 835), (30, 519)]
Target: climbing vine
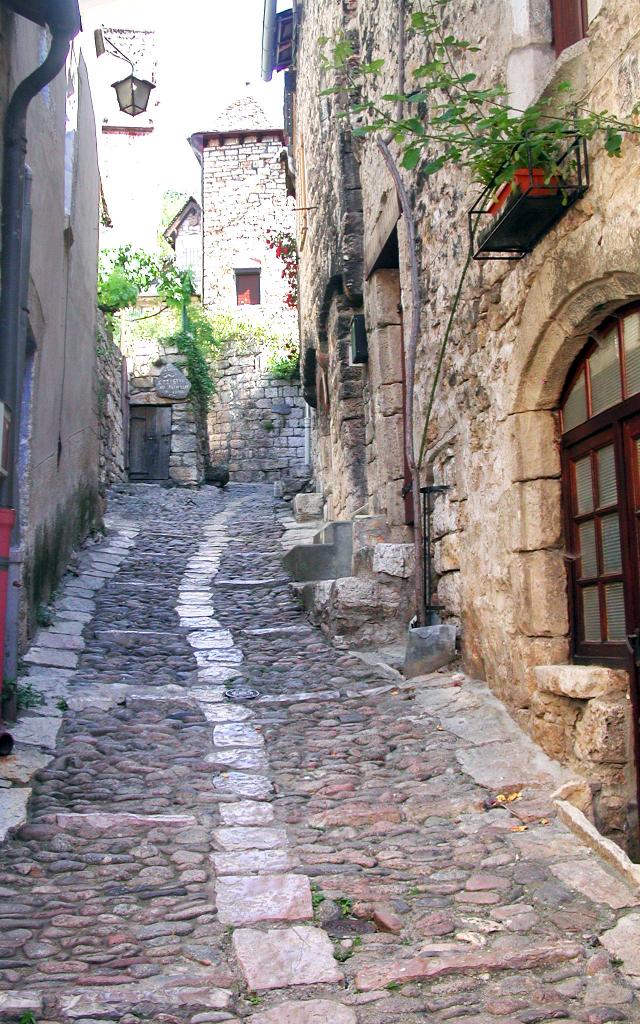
[(452, 121), (284, 245)]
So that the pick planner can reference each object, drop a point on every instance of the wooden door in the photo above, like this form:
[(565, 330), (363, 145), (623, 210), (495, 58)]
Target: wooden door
[(149, 442)]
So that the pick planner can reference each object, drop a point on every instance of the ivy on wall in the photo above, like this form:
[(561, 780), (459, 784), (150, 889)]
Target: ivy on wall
[(182, 322)]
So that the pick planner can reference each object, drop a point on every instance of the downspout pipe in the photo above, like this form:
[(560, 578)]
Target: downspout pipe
[(268, 38), (64, 21)]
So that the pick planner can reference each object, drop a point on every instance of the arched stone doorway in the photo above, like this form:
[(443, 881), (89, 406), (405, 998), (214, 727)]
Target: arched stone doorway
[(588, 694)]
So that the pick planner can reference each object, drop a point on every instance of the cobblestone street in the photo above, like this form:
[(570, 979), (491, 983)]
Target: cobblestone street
[(347, 848)]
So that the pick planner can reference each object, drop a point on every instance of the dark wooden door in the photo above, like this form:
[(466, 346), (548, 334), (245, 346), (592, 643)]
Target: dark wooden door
[(149, 442)]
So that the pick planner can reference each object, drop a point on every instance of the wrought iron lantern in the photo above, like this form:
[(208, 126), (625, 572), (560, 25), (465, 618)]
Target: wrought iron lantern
[(133, 94)]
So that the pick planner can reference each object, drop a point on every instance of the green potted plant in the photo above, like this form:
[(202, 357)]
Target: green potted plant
[(444, 118)]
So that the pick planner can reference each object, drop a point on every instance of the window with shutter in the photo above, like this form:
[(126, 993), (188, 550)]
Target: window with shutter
[(248, 287), (569, 22)]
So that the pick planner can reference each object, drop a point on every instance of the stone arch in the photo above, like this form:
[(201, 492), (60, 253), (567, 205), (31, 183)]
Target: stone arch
[(543, 355)]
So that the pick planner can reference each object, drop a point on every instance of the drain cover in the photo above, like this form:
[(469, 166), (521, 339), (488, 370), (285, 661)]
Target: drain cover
[(241, 693)]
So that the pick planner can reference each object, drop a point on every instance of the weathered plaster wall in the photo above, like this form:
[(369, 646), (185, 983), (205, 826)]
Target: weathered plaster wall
[(59, 459), (499, 550), (256, 421)]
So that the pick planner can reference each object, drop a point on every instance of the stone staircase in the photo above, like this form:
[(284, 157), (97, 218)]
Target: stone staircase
[(353, 577)]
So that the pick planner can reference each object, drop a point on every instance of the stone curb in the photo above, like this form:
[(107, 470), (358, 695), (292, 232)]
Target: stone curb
[(605, 848)]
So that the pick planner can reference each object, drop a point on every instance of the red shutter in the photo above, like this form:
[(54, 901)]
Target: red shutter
[(569, 22), (248, 287)]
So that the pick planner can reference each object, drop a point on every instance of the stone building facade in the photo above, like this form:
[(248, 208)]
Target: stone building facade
[(256, 421), (514, 536)]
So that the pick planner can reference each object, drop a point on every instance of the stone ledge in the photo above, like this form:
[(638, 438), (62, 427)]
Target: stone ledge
[(582, 682)]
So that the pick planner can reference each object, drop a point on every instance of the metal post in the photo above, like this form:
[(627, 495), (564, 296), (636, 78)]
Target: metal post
[(431, 608)]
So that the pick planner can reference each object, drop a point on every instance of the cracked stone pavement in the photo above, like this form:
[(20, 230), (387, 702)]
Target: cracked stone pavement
[(328, 853)]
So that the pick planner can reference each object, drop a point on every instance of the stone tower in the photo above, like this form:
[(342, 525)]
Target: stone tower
[(244, 195)]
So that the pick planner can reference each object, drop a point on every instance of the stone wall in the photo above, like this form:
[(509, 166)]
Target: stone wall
[(147, 361), (256, 422), (499, 545), (112, 407)]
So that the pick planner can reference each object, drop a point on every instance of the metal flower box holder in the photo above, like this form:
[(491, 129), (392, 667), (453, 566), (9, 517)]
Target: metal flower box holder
[(530, 210)]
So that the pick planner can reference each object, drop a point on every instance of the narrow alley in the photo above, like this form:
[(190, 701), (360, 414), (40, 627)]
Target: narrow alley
[(341, 847)]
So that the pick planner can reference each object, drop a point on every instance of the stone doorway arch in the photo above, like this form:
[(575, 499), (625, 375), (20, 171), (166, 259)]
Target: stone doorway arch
[(579, 712)]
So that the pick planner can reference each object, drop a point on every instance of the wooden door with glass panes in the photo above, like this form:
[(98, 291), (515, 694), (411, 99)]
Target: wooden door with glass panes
[(601, 484)]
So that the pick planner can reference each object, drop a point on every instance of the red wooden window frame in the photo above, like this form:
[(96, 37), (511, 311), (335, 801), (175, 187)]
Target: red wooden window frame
[(570, 21), (606, 427), (248, 287)]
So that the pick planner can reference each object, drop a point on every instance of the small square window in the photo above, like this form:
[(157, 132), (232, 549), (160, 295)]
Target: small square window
[(248, 287)]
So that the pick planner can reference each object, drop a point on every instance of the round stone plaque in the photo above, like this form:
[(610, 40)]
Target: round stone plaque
[(172, 383)]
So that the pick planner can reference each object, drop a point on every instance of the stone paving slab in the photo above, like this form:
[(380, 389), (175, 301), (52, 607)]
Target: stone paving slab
[(313, 1011), (13, 809), (247, 862), (246, 812), (247, 899), (237, 736), (245, 837), (21, 764), (36, 732), (285, 957)]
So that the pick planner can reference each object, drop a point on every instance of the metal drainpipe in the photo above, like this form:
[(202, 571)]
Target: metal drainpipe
[(268, 38), (12, 337)]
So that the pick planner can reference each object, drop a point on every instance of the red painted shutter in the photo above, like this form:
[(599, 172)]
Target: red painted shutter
[(569, 22), (248, 288)]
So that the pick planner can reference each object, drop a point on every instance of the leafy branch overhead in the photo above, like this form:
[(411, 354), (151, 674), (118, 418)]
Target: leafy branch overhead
[(446, 117)]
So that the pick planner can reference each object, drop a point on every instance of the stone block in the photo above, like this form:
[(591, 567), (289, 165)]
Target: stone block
[(446, 553), (539, 583), (450, 592), (535, 448), (581, 682), (528, 652), (307, 507), (389, 400), (311, 1011), (429, 648), (601, 732), (446, 516), (394, 559), (243, 900), (390, 449), (553, 723), (184, 474), (537, 515), (385, 356), (383, 302), (183, 443), (283, 957)]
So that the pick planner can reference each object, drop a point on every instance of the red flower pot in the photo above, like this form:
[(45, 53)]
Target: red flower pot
[(530, 181)]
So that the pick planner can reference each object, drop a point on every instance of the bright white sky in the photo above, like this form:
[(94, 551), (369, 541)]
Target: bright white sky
[(208, 50)]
